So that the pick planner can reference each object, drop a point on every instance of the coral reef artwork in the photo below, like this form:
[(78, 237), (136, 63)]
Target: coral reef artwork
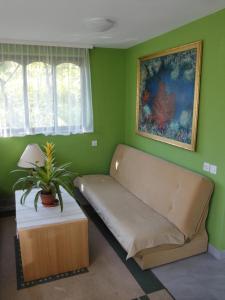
[(167, 100)]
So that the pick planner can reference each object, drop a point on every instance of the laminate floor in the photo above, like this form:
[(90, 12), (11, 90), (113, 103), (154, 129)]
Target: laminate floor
[(201, 277)]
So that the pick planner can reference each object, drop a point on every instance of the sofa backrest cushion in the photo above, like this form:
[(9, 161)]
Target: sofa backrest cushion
[(178, 194)]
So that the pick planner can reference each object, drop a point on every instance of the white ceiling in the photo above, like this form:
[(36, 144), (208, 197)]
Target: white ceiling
[(62, 22)]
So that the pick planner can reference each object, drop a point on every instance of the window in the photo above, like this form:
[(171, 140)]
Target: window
[(44, 90)]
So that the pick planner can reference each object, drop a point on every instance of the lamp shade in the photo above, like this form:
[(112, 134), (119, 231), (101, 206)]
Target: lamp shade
[(31, 155)]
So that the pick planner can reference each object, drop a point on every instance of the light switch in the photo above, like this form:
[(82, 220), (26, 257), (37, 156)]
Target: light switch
[(213, 169), (94, 143), (206, 166)]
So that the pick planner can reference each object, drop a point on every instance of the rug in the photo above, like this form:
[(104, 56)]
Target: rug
[(21, 284)]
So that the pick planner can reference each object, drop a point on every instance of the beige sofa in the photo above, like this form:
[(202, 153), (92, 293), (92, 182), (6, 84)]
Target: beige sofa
[(154, 208)]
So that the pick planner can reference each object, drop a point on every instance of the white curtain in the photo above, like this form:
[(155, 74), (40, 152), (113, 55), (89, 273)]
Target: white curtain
[(44, 90)]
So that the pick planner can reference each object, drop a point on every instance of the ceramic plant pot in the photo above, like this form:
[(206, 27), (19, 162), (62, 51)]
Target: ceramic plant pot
[(48, 200)]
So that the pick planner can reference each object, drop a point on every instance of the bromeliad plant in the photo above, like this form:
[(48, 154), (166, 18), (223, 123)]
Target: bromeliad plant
[(48, 179)]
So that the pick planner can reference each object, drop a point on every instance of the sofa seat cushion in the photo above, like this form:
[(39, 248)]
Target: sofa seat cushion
[(134, 224)]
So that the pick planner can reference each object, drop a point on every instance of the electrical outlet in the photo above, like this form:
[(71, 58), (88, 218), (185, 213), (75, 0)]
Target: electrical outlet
[(206, 166), (213, 169), (94, 143)]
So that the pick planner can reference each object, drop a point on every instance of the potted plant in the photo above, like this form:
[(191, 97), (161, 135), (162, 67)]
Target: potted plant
[(48, 179)]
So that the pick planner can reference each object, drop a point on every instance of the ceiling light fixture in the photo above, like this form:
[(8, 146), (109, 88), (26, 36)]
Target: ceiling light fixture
[(99, 24)]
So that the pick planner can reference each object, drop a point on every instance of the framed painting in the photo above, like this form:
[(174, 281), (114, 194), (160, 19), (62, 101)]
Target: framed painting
[(168, 95)]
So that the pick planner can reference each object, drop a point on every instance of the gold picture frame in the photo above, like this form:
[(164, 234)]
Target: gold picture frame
[(168, 84)]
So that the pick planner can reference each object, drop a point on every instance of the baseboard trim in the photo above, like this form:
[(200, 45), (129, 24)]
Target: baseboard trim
[(218, 254)]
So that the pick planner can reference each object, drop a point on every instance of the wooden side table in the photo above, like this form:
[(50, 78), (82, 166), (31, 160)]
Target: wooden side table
[(51, 242)]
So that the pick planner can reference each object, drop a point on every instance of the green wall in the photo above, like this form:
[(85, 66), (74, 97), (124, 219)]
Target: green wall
[(211, 124), (107, 71), (114, 96)]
